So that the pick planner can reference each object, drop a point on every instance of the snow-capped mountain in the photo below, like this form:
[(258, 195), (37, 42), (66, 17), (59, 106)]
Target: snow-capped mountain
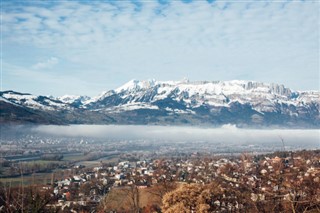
[(34, 102), (245, 103), (74, 100), (192, 95)]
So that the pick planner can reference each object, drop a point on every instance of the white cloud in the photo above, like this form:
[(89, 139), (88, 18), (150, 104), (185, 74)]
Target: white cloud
[(47, 64), (264, 41), (177, 22)]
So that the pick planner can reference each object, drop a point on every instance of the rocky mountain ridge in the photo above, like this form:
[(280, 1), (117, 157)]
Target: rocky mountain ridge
[(244, 103)]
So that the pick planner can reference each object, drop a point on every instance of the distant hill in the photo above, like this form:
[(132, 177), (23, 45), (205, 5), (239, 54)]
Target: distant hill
[(243, 103)]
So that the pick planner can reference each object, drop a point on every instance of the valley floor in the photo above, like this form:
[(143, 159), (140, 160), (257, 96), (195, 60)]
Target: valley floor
[(190, 182)]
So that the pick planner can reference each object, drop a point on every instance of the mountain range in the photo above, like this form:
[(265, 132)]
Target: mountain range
[(207, 103)]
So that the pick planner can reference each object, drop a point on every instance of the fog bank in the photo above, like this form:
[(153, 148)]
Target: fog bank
[(228, 133)]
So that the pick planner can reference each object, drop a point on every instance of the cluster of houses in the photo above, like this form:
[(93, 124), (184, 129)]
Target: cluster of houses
[(288, 175)]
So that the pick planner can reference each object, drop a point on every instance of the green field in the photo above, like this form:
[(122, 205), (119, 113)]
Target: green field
[(37, 178), (45, 177), (73, 158)]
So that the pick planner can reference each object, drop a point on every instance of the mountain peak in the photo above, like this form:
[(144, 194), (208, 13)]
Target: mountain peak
[(136, 85), (70, 99), (233, 86), (180, 102)]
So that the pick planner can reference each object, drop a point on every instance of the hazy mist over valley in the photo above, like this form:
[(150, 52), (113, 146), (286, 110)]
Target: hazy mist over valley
[(228, 136), (227, 133)]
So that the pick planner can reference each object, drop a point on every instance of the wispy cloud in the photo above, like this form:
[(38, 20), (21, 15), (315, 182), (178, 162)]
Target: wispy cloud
[(261, 40), (32, 80), (47, 64)]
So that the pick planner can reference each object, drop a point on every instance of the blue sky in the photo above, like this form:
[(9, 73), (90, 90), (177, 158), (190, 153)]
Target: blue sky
[(86, 47)]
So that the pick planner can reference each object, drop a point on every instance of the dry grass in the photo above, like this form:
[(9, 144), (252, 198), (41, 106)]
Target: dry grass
[(119, 199)]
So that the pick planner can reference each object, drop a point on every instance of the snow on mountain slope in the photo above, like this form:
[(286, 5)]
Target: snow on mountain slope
[(243, 103), (9, 102), (262, 97), (129, 107), (180, 97), (75, 100), (308, 96), (33, 101), (69, 98), (135, 85)]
